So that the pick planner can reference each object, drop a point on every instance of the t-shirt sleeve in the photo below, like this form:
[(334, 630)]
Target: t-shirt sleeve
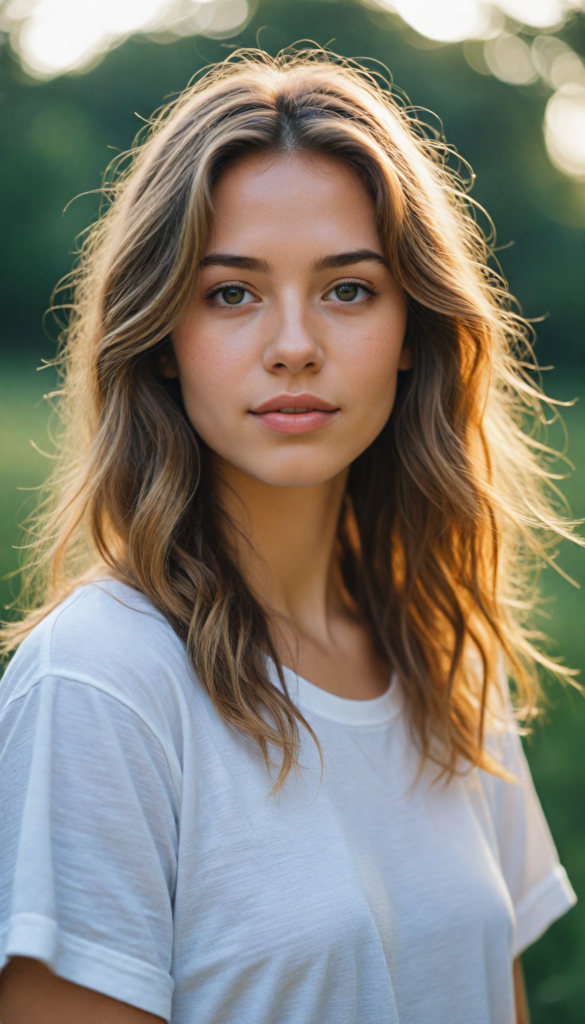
[(88, 842), (537, 882)]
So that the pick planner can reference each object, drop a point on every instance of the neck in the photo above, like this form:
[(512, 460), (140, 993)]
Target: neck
[(283, 541)]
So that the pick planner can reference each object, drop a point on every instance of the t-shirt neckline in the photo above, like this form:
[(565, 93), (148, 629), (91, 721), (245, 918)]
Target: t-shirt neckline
[(375, 711)]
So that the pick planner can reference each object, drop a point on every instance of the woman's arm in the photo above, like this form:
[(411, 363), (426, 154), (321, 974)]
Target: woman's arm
[(522, 1012), (31, 994)]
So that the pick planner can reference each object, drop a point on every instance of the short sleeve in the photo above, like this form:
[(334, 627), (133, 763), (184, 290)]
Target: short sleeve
[(537, 882), (88, 842)]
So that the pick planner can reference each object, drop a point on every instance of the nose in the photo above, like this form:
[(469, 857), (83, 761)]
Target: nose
[(294, 344)]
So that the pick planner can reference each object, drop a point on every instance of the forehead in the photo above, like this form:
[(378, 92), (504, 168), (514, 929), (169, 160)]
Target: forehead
[(299, 198)]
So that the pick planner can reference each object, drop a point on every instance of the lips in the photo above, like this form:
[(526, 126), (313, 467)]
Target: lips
[(295, 414), (294, 404)]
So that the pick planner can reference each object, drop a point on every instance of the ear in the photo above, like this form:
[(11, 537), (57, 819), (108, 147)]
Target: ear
[(406, 361), (167, 364)]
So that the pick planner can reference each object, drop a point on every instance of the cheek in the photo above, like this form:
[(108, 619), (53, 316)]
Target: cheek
[(372, 371), (210, 376)]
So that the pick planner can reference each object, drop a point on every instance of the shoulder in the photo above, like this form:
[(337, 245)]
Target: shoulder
[(111, 637)]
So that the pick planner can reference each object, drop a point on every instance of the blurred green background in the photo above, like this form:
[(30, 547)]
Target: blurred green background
[(58, 135)]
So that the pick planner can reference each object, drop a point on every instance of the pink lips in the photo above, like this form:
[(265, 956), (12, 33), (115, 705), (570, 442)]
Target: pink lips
[(295, 414)]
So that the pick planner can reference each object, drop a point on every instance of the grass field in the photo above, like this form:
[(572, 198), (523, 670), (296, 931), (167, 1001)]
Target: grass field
[(554, 966)]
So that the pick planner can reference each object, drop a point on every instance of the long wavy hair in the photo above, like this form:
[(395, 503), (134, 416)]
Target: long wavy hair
[(446, 513)]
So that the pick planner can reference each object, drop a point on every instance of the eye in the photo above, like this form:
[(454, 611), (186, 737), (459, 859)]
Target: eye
[(350, 291), (231, 295), (347, 292)]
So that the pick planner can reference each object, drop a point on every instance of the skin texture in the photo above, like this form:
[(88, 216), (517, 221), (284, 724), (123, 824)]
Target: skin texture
[(289, 332), (31, 994)]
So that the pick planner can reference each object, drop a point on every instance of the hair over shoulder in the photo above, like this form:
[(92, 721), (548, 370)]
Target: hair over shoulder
[(446, 514)]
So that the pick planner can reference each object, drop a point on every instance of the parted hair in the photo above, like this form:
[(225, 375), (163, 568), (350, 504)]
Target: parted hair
[(448, 511)]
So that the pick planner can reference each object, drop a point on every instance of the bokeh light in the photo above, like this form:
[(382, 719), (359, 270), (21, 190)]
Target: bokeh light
[(537, 13), (565, 130), (446, 22), (545, 51), (454, 20), (56, 36), (509, 59), (61, 35)]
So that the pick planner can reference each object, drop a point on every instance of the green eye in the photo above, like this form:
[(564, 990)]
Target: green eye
[(347, 292), (233, 295)]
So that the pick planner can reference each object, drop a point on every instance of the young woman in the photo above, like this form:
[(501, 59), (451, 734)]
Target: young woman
[(259, 762)]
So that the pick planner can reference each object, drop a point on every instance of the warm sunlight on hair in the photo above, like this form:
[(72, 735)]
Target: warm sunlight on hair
[(448, 510)]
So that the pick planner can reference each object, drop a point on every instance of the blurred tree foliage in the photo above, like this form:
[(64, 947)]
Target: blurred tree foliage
[(58, 137)]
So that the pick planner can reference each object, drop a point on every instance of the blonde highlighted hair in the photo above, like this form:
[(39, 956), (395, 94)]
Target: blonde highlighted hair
[(445, 513)]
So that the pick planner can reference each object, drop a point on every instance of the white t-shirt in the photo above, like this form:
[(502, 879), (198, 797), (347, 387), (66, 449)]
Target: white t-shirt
[(142, 857)]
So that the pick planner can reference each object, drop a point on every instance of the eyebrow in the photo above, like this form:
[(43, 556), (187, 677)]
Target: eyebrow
[(228, 259), (339, 259), (344, 259)]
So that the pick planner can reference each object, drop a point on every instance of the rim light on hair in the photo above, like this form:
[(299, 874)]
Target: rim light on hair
[(445, 512)]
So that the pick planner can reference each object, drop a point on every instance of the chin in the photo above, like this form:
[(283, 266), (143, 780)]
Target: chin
[(301, 471)]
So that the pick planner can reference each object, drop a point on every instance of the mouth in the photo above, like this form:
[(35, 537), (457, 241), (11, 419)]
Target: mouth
[(295, 414)]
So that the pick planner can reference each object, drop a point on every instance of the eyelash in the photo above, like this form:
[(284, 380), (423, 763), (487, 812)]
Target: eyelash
[(240, 284), (360, 284), (226, 284)]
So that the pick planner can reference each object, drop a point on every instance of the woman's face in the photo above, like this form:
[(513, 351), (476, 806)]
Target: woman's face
[(289, 352)]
